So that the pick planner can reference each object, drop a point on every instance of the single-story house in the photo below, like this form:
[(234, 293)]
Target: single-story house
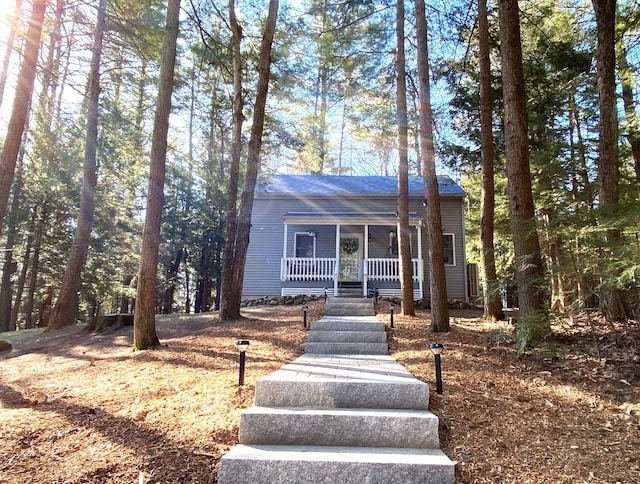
[(312, 234)]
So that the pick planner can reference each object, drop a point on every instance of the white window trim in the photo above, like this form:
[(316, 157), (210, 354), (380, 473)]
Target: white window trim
[(295, 243), (453, 240)]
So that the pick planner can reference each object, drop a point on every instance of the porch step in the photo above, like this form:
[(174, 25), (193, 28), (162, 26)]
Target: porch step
[(332, 348), (342, 381), (339, 427), (349, 306), (341, 336), (267, 464)]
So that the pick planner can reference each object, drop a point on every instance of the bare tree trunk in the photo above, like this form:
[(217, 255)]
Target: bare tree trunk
[(65, 310), (10, 265), (490, 286), (404, 235), (6, 60), (35, 266), (437, 274), (234, 169), (632, 125), (232, 295), (21, 282), (608, 162), (529, 270), (21, 104), (144, 322)]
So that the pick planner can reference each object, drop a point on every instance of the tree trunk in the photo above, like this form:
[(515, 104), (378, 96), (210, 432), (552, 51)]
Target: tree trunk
[(65, 311), (232, 295), (437, 275), (234, 169), (633, 128), (529, 271), (144, 326), (21, 104), (404, 235), (35, 267), (10, 265), (22, 278), (172, 280), (608, 162), (6, 60), (490, 284)]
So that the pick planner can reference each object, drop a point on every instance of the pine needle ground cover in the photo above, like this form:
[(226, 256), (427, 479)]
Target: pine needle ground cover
[(78, 408)]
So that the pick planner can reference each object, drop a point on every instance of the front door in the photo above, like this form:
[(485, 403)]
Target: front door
[(350, 258)]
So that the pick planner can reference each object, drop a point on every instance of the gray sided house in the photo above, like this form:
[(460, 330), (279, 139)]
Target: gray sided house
[(313, 233)]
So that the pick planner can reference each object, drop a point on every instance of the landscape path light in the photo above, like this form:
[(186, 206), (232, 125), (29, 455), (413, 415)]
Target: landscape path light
[(391, 306), (304, 315), (242, 345), (436, 349)]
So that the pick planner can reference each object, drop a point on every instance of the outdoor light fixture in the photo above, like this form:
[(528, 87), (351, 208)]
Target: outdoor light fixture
[(436, 349), (391, 307), (304, 315), (325, 294), (313, 233), (242, 345), (425, 202)]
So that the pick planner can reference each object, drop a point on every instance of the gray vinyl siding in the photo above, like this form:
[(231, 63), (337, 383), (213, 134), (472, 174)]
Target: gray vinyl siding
[(262, 271)]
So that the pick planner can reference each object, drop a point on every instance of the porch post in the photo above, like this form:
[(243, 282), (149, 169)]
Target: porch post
[(365, 264), (283, 263), (337, 267), (420, 261)]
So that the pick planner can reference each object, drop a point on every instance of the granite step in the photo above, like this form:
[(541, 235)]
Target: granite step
[(354, 323), (342, 381), (339, 427), (268, 464), (336, 336), (354, 310), (336, 348)]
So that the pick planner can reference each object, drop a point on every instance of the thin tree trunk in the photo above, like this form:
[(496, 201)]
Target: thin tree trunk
[(529, 270), (437, 274), (21, 282), (232, 295), (35, 267), (9, 266), (234, 169), (490, 286), (632, 125), (404, 235), (6, 60), (65, 311), (21, 104), (144, 323)]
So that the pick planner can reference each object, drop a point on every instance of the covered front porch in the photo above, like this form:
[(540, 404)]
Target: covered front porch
[(347, 254)]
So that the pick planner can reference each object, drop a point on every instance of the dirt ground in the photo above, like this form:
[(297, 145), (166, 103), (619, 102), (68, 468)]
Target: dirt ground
[(78, 408)]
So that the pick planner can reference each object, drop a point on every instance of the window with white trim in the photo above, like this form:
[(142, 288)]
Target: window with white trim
[(304, 245), (449, 249)]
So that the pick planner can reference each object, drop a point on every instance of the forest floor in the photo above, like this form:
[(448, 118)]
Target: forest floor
[(79, 408)]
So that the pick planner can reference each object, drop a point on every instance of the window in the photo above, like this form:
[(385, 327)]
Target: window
[(305, 245), (449, 246)]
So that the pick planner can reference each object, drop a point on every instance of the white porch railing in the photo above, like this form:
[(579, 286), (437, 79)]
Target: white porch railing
[(325, 269), (388, 269), (307, 269)]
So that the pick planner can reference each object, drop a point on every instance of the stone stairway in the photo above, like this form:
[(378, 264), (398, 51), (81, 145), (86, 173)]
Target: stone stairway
[(343, 417)]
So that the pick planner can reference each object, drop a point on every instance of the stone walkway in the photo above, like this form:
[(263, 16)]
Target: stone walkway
[(339, 417)]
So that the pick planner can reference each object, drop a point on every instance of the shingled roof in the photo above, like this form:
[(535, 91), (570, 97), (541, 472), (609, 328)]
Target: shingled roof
[(335, 184)]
